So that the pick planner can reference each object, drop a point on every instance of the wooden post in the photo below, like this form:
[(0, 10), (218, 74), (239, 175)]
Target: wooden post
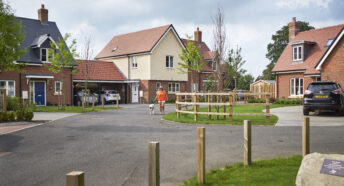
[(58, 101), (209, 107), (305, 137), (224, 106), (93, 103), (217, 106), (153, 164), (88, 98), (195, 107), (75, 178), (5, 101), (64, 100), (102, 101), (117, 102), (201, 155), (267, 101), (247, 142), (83, 100), (178, 106), (230, 110)]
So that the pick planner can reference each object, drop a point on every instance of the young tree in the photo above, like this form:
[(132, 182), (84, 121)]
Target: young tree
[(191, 60), (245, 81), (233, 68), (219, 34), (11, 36), (279, 41), (61, 57)]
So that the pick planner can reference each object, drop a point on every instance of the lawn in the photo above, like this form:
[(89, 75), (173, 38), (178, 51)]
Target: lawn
[(71, 109), (279, 171), (237, 120)]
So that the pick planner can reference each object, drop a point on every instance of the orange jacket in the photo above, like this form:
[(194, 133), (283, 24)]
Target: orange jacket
[(161, 96)]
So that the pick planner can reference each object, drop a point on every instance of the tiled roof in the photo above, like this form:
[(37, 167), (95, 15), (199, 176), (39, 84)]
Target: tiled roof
[(204, 50), (317, 50), (98, 70), (131, 43)]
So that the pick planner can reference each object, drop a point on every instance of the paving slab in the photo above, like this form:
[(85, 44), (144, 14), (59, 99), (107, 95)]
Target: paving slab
[(51, 116)]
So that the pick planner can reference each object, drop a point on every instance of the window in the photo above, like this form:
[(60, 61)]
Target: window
[(214, 66), (9, 86), (44, 55), (318, 79), (297, 53), (296, 86), (58, 86), (134, 63), (329, 42), (173, 87), (157, 85), (169, 61), (194, 87)]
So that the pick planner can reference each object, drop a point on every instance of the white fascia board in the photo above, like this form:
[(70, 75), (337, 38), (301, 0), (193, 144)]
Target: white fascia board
[(175, 34)]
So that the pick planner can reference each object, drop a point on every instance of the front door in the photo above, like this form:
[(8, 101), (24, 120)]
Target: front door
[(135, 93), (39, 93)]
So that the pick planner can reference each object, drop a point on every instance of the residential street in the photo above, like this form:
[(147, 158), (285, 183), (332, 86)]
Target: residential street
[(111, 147)]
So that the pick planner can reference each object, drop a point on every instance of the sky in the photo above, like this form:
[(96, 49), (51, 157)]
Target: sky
[(249, 23)]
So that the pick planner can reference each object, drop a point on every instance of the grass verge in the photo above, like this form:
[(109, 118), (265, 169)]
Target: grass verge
[(70, 109), (237, 120), (279, 171)]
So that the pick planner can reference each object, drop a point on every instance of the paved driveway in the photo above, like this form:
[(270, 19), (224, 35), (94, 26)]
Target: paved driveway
[(111, 147), (293, 116)]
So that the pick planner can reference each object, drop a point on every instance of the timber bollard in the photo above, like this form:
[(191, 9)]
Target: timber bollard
[(247, 142), (305, 137), (201, 155), (230, 110), (75, 178), (267, 101), (195, 107), (93, 103), (178, 106), (83, 100), (153, 164), (102, 101)]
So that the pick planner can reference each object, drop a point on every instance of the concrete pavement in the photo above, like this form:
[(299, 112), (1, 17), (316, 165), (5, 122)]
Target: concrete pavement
[(111, 147), (293, 116)]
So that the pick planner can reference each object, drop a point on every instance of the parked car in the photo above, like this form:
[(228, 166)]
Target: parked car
[(78, 98), (110, 96), (323, 96)]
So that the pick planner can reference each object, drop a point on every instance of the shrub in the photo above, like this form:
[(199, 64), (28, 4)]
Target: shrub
[(12, 103), (28, 115), (19, 114), (4, 116), (11, 116)]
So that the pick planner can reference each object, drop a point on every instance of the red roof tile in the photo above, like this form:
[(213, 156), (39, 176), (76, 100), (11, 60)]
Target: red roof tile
[(98, 70), (135, 42), (317, 50)]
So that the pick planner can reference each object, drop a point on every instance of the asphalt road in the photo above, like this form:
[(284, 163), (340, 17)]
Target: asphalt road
[(111, 147)]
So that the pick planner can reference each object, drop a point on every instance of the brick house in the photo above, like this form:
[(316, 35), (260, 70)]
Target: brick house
[(149, 59), (314, 55), (37, 81)]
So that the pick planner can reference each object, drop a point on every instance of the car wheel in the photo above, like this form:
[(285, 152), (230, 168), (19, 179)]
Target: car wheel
[(305, 112)]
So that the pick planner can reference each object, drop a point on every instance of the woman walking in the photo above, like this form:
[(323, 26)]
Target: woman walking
[(161, 97)]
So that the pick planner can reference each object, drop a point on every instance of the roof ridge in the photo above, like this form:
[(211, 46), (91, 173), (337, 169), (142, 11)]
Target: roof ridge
[(322, 28), (33, 19), (142, 30)]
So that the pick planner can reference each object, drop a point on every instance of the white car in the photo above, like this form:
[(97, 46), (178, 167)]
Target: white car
[(110, 95)]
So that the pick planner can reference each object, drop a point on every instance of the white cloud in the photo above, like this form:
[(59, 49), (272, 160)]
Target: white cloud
[(302, 3)]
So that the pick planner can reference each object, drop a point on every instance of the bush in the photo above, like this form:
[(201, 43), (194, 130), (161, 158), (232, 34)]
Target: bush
[(28, 115), (289, 101), (4, 116), (11, 116), (20, 116), (13, 103), (256, 101)]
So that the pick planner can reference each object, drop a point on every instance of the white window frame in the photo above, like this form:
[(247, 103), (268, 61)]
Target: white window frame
[(169, 62), (46, 54), (134, 62), (172, 87), (7, 89), (213, 64), (157, 85), (293, 88), (299, 54), (58, 92)]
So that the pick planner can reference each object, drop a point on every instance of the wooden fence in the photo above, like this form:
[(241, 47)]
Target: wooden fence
[(267, 88), (3, 106), (210, 99)]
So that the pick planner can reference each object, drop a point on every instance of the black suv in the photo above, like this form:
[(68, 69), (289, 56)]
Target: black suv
[(323, 96)]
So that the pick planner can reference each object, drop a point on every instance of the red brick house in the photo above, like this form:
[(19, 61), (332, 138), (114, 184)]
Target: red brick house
[(314, 55), (37, 81)]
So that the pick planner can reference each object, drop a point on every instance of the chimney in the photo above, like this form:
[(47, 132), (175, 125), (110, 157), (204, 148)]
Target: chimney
[(43, 14), (198, 35), (294, 28)]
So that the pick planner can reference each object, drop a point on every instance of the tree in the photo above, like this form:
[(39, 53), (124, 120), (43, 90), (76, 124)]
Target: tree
[(219, 34), (11, 36), (86, 55), (233, 68), (279, 41), (61, 56), (191, 60), (245, 81)]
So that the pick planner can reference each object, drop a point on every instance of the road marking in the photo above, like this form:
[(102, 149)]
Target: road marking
[(4, 154)]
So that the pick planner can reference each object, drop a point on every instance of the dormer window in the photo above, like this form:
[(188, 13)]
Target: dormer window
[(297, 53), (44, 54)]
